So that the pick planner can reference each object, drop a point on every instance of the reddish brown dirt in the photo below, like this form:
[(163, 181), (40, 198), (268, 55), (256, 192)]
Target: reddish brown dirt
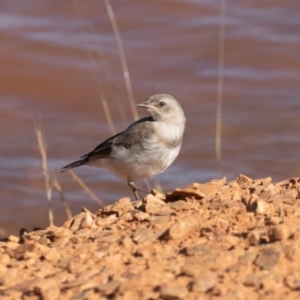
[(237, 240)]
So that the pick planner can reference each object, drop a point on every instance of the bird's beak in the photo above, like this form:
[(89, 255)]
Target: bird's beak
[(145, 105)]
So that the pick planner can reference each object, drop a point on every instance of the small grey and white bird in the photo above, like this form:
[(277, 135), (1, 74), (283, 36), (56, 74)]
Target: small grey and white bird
[(146, 148)]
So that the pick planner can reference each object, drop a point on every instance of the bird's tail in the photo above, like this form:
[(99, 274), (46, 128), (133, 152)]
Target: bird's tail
[(74, 164)]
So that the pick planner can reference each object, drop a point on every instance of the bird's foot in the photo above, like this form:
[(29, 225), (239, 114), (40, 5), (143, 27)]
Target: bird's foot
[(135, 189)]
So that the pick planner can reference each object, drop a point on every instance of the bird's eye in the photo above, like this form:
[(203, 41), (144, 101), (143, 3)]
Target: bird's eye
[(162, 104)]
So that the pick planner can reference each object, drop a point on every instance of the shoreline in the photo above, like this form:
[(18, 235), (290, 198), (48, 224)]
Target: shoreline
[(217, 240)]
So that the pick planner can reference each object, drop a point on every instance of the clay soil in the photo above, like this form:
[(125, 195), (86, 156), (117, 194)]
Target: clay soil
[(218, 240)]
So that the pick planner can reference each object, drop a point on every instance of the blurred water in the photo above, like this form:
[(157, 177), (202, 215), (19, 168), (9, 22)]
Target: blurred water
[(56, 55)]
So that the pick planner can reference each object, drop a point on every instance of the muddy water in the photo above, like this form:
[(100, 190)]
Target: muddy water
[(56, 58)]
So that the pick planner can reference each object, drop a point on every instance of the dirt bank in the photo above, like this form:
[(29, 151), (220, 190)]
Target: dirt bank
[(237, 240)]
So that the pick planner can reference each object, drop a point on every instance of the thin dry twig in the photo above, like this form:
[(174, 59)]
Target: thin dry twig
[(108, 115), (97, 76), (122, 57), (43, 151), (220, 82), (58, 187), (85, 187)]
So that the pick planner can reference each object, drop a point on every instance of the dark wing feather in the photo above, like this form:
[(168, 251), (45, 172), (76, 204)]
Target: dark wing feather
[(102, 149), (128, 138), (125, 138)]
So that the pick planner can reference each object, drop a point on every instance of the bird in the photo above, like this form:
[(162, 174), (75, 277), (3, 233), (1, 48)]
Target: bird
[(146, 148)]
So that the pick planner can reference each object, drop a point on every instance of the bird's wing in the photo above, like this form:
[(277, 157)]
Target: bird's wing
[(135, 134), (132, 136), (102, 149)]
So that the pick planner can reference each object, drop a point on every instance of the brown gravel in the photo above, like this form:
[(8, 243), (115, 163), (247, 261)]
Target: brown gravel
[(236, 240)]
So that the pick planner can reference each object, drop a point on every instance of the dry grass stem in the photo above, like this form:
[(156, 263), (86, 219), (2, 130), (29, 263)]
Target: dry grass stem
[(220, 82), (158, 187), (122, 57), (42, 147), (121, 112), (58, 187), (108, 115), (92, 61), (85, 188), (147, 184)]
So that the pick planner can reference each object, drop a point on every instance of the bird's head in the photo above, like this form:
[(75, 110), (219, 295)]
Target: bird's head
[(164, 108)]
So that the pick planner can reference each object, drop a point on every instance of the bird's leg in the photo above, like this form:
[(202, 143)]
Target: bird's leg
[(134, 188)]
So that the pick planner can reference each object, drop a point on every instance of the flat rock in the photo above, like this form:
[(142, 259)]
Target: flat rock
[(109, 287), (204, 282), (268, 259), (279, 233), (122, 206), (14, 239), (171, 292), (292, 252), (158, 195), (243, 180), (140, 215), (47, 288), (83, 220), (184, 227), (154, 205), (110, 219), (293, 282), (142, 235), (255, 280), (199, 190), (230, 192), (186, 193), (177, 205)]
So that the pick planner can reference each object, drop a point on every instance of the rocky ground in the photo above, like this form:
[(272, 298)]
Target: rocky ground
[(218, 240)]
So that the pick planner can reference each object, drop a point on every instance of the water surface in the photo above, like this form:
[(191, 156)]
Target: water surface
[(57, 57)]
